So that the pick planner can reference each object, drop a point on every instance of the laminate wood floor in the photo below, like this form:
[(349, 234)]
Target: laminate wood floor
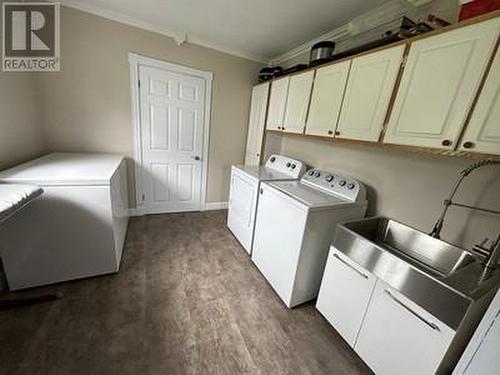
[(187, 300)]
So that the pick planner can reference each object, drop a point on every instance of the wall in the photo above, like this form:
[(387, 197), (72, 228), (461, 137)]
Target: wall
[(21, 136), (87, 105), (408, 186)]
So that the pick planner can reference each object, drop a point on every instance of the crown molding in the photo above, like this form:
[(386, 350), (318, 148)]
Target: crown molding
[(419, 3), (180, 37)]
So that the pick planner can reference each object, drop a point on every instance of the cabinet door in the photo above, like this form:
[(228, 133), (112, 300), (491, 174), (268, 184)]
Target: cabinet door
[(440, 80), (326, 99), (483, 131), (277, 103), (297, 103), (369, 90), (345, 291), (399, 337), (256, 122)]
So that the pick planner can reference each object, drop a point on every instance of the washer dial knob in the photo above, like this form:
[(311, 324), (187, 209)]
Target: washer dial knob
[(293, 166), (273, 159), (350, 186), (329, 178), (288, 164), (342, 182), (317, 174), (311, 172)]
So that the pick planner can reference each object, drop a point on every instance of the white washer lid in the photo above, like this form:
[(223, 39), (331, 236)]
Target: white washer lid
[(65, 169), (309, 196), (263, 173)]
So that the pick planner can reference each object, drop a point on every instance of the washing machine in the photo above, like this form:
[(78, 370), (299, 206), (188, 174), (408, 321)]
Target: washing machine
[(243, 196), (294, 229)]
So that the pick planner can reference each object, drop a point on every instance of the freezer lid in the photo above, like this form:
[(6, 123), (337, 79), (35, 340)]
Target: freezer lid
[(59, 169), (263, 173), (309, 196)]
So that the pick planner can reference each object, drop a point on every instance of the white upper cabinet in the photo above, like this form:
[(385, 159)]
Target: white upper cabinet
[(256, 123), (483, 131), (440, 80), (297, 104), (369, 90), (277, 103), (326, 100)]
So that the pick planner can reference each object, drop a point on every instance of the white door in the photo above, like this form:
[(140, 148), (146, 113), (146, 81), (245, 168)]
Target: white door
[(345, 291), (326, 100), (279, 229), (256, 123), (172, 118), (242, 207), (297, 103), (277, 103), (483, 131), (369, 90), (399, 337), (441, 78)]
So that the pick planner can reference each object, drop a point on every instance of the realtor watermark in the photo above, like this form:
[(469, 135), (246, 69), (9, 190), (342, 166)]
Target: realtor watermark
[(30, 37)]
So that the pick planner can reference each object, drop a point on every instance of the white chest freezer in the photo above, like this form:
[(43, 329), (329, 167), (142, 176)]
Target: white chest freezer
[(77, 227)]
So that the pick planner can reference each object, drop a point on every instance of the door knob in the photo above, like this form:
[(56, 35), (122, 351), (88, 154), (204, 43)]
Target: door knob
[(196, 158)]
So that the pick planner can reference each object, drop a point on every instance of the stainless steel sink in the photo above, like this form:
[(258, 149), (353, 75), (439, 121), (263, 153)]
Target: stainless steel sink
[(441, 278), (420, 249)]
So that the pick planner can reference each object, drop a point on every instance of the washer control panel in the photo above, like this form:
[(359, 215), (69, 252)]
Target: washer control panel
[(284, 164), (335, 183)]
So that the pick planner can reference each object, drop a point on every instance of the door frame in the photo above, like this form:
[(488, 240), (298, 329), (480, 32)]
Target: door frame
[(135, 62)]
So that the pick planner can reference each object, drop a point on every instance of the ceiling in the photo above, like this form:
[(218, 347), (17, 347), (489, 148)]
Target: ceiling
[(256, 29)]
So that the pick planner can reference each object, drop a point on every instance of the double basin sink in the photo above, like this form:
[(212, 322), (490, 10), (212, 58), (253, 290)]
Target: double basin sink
[(444, 279)]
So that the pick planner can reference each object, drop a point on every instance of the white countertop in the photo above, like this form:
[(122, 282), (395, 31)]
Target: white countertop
[(58, 169)]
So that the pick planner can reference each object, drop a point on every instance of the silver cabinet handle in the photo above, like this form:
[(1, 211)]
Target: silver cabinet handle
[(414, 313), (350, 266)]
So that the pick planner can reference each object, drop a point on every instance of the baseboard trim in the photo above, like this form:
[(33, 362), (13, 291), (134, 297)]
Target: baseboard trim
[(210, 206), (135, 211)]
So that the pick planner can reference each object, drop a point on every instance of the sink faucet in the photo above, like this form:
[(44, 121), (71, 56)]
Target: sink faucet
[(490, 255)]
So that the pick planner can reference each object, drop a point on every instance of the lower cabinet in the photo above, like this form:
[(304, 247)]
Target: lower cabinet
[(391, 333), (344, 294), (399, 337)]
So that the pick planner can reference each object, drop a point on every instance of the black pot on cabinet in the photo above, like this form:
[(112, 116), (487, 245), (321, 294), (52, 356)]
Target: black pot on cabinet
[(321, 52)]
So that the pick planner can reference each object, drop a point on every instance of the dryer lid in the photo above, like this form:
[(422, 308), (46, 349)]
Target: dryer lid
[(263, 173)]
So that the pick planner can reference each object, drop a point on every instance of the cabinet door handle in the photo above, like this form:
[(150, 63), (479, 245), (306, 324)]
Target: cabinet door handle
[(414, 313), (350, 266)]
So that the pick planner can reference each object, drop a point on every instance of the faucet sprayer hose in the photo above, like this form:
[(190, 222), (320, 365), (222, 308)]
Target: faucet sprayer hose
[(479, 164)]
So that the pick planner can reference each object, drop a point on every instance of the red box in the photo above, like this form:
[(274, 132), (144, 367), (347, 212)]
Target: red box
[(477, 7)]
